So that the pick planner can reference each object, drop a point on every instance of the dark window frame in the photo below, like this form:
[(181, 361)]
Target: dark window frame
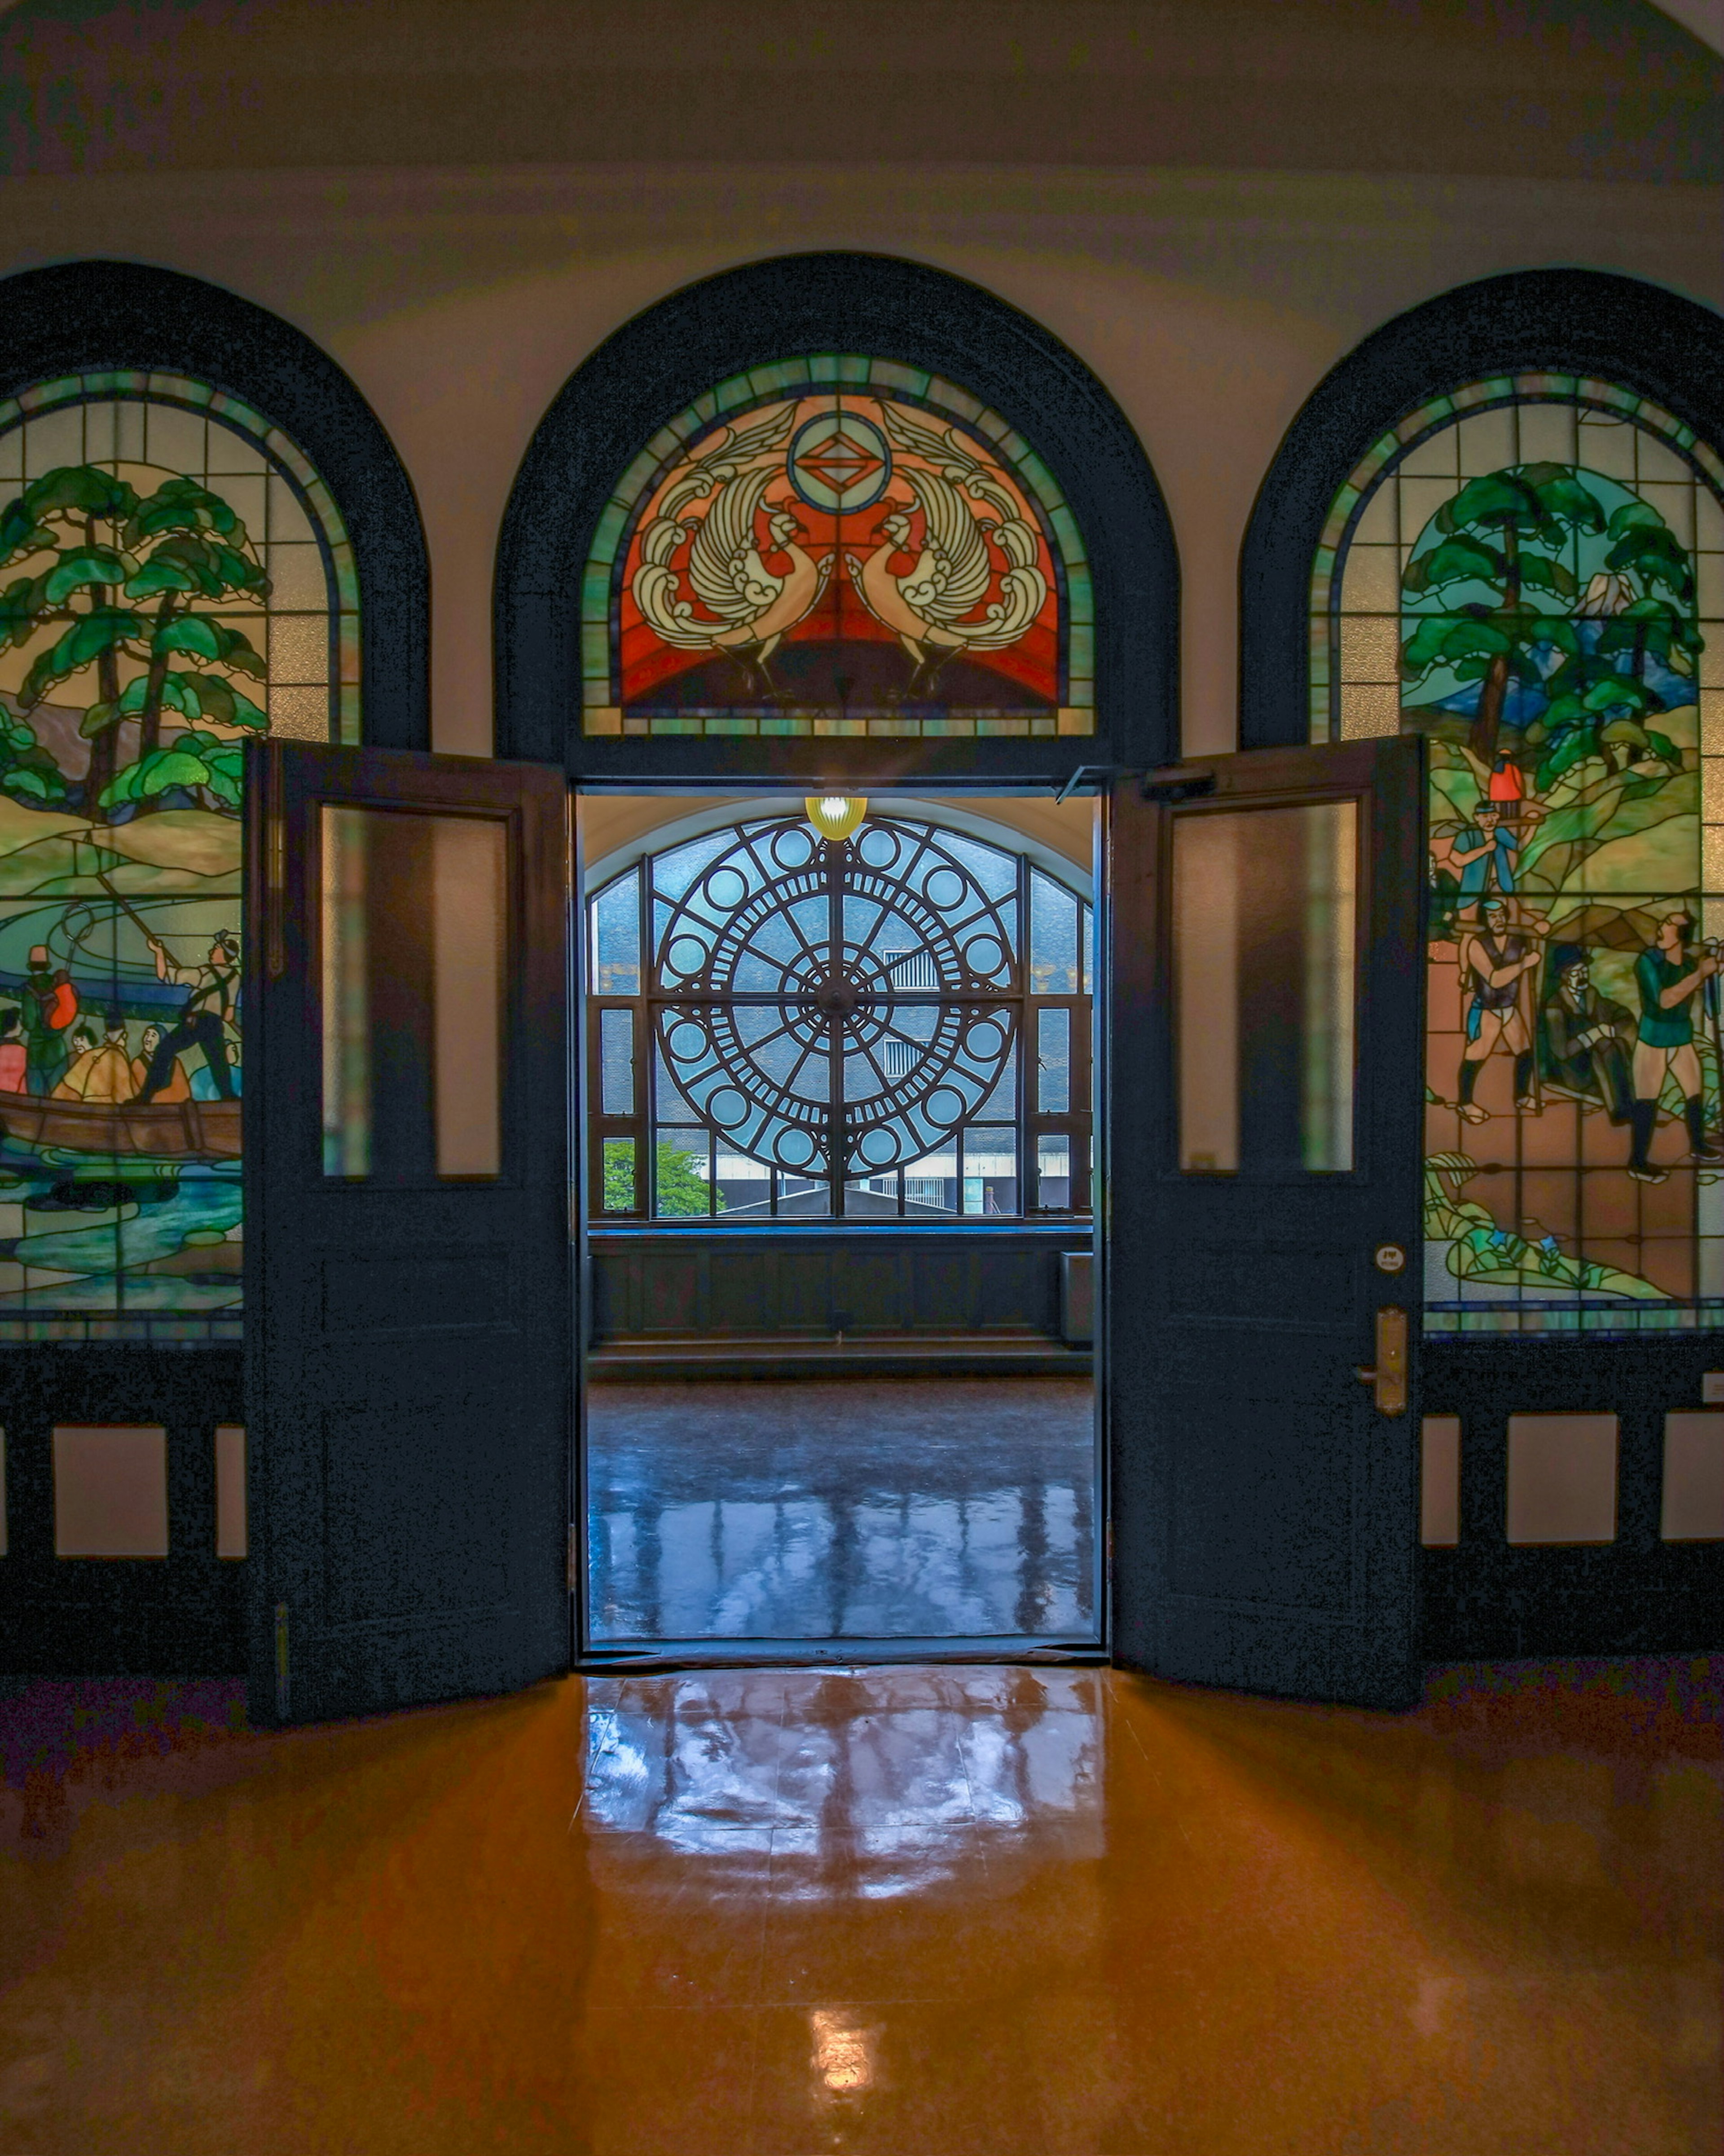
[(1585, 322), (84, 317), (184, 1616), (640, 1125)]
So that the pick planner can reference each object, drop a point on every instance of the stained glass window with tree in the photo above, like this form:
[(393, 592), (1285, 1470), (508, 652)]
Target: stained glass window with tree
[(174, 579), (1529, 571)]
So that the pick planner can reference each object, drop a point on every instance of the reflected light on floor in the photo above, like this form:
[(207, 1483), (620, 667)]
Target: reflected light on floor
[(843, 2055), (843, 1508), (954, 1911)]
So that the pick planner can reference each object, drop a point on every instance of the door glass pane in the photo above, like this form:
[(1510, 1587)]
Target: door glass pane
[(414, 966), (1265, 906), (1053, 1161), (619, 1192), (681, 1175), (991, 1169)]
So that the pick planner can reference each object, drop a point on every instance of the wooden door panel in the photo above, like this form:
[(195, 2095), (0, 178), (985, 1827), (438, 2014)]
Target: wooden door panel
[(409, 1375), (1265, 1531)]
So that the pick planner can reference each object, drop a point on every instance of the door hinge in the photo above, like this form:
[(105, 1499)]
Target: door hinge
[(283, 1695), (276, 889), (572, 1572)]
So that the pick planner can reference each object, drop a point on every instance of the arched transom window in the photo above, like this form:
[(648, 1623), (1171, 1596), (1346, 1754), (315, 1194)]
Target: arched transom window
[(1529, 571), (838, 545), (891, 1025)]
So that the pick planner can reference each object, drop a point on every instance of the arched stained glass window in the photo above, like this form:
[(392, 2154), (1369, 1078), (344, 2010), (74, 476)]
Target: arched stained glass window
[(174, 579), (1530, 571), (838, 545), (891, 1025)]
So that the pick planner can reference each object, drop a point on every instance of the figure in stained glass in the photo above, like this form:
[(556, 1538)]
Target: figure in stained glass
[(100, 1071), (14, 1055), (1670, 978), (49, 1005), (1558, 548), (177, 580), (1498, 959), (1484, 852), (175, 1087), (1588, 1037), (208, 1018)]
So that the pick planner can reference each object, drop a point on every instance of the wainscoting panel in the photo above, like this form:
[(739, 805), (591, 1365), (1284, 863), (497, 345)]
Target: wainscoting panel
[(745, 1297)]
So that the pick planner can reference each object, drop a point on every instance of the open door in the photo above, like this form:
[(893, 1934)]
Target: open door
[(408, 1320), (1264, 1280)]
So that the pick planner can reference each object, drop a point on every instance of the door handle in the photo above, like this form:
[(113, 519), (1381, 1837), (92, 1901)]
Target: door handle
[(1390, 1377)]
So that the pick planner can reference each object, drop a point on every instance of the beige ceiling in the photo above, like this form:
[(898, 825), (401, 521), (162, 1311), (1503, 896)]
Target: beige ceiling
[(1581, 88)]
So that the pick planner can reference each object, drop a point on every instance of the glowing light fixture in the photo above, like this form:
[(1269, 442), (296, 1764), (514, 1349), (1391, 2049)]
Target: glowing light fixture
[(834, 815)]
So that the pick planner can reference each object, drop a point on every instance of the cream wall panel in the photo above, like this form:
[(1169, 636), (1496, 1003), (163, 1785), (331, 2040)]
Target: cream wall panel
[(1210, 304)]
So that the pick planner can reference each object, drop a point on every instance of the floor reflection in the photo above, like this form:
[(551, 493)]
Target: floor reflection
[(934, 1910), (806, 1769), (842, 1508)]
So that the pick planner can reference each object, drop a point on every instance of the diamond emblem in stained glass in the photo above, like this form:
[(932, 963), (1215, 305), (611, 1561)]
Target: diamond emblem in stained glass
[(840, 462)]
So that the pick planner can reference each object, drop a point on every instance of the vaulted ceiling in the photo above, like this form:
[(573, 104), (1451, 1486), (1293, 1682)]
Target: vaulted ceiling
[(1558, 89)]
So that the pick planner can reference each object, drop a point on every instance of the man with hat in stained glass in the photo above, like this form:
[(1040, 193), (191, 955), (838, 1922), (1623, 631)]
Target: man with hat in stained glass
[(48, 1003), (1590, 1038), (1485, 853), (205, 1016)]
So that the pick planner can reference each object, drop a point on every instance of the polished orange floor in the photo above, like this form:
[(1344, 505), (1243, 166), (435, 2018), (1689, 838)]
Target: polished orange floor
[(970, 1910)]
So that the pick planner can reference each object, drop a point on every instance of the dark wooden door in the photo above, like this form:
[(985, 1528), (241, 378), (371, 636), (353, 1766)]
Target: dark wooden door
[(408, 1320), (1264, 1107)]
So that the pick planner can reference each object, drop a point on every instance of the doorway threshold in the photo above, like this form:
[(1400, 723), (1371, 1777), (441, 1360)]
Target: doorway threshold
[(892, 1356), (652, 1656)]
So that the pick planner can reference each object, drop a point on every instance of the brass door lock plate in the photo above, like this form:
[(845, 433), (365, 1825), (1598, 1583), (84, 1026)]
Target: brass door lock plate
[(1388, 1376)]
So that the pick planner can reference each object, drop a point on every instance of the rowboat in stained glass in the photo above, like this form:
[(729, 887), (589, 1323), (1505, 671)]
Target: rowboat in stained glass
[(162, 1130)]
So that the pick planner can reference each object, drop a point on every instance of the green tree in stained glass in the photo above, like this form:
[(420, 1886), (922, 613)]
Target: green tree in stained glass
[(1502, 539), (132, 587), (1601, 697)]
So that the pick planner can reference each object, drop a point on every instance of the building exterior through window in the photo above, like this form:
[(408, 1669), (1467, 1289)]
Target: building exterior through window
[(893, 1024)]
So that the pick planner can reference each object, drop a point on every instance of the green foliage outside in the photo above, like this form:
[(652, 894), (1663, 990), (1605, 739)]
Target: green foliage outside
[(681, 1193), (131, 586)]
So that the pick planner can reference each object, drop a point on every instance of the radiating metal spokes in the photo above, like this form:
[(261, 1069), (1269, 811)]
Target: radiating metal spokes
[(833, 1009)]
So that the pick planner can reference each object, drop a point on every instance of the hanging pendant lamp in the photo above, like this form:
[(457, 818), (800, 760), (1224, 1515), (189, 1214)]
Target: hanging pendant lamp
[(834, 816)]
